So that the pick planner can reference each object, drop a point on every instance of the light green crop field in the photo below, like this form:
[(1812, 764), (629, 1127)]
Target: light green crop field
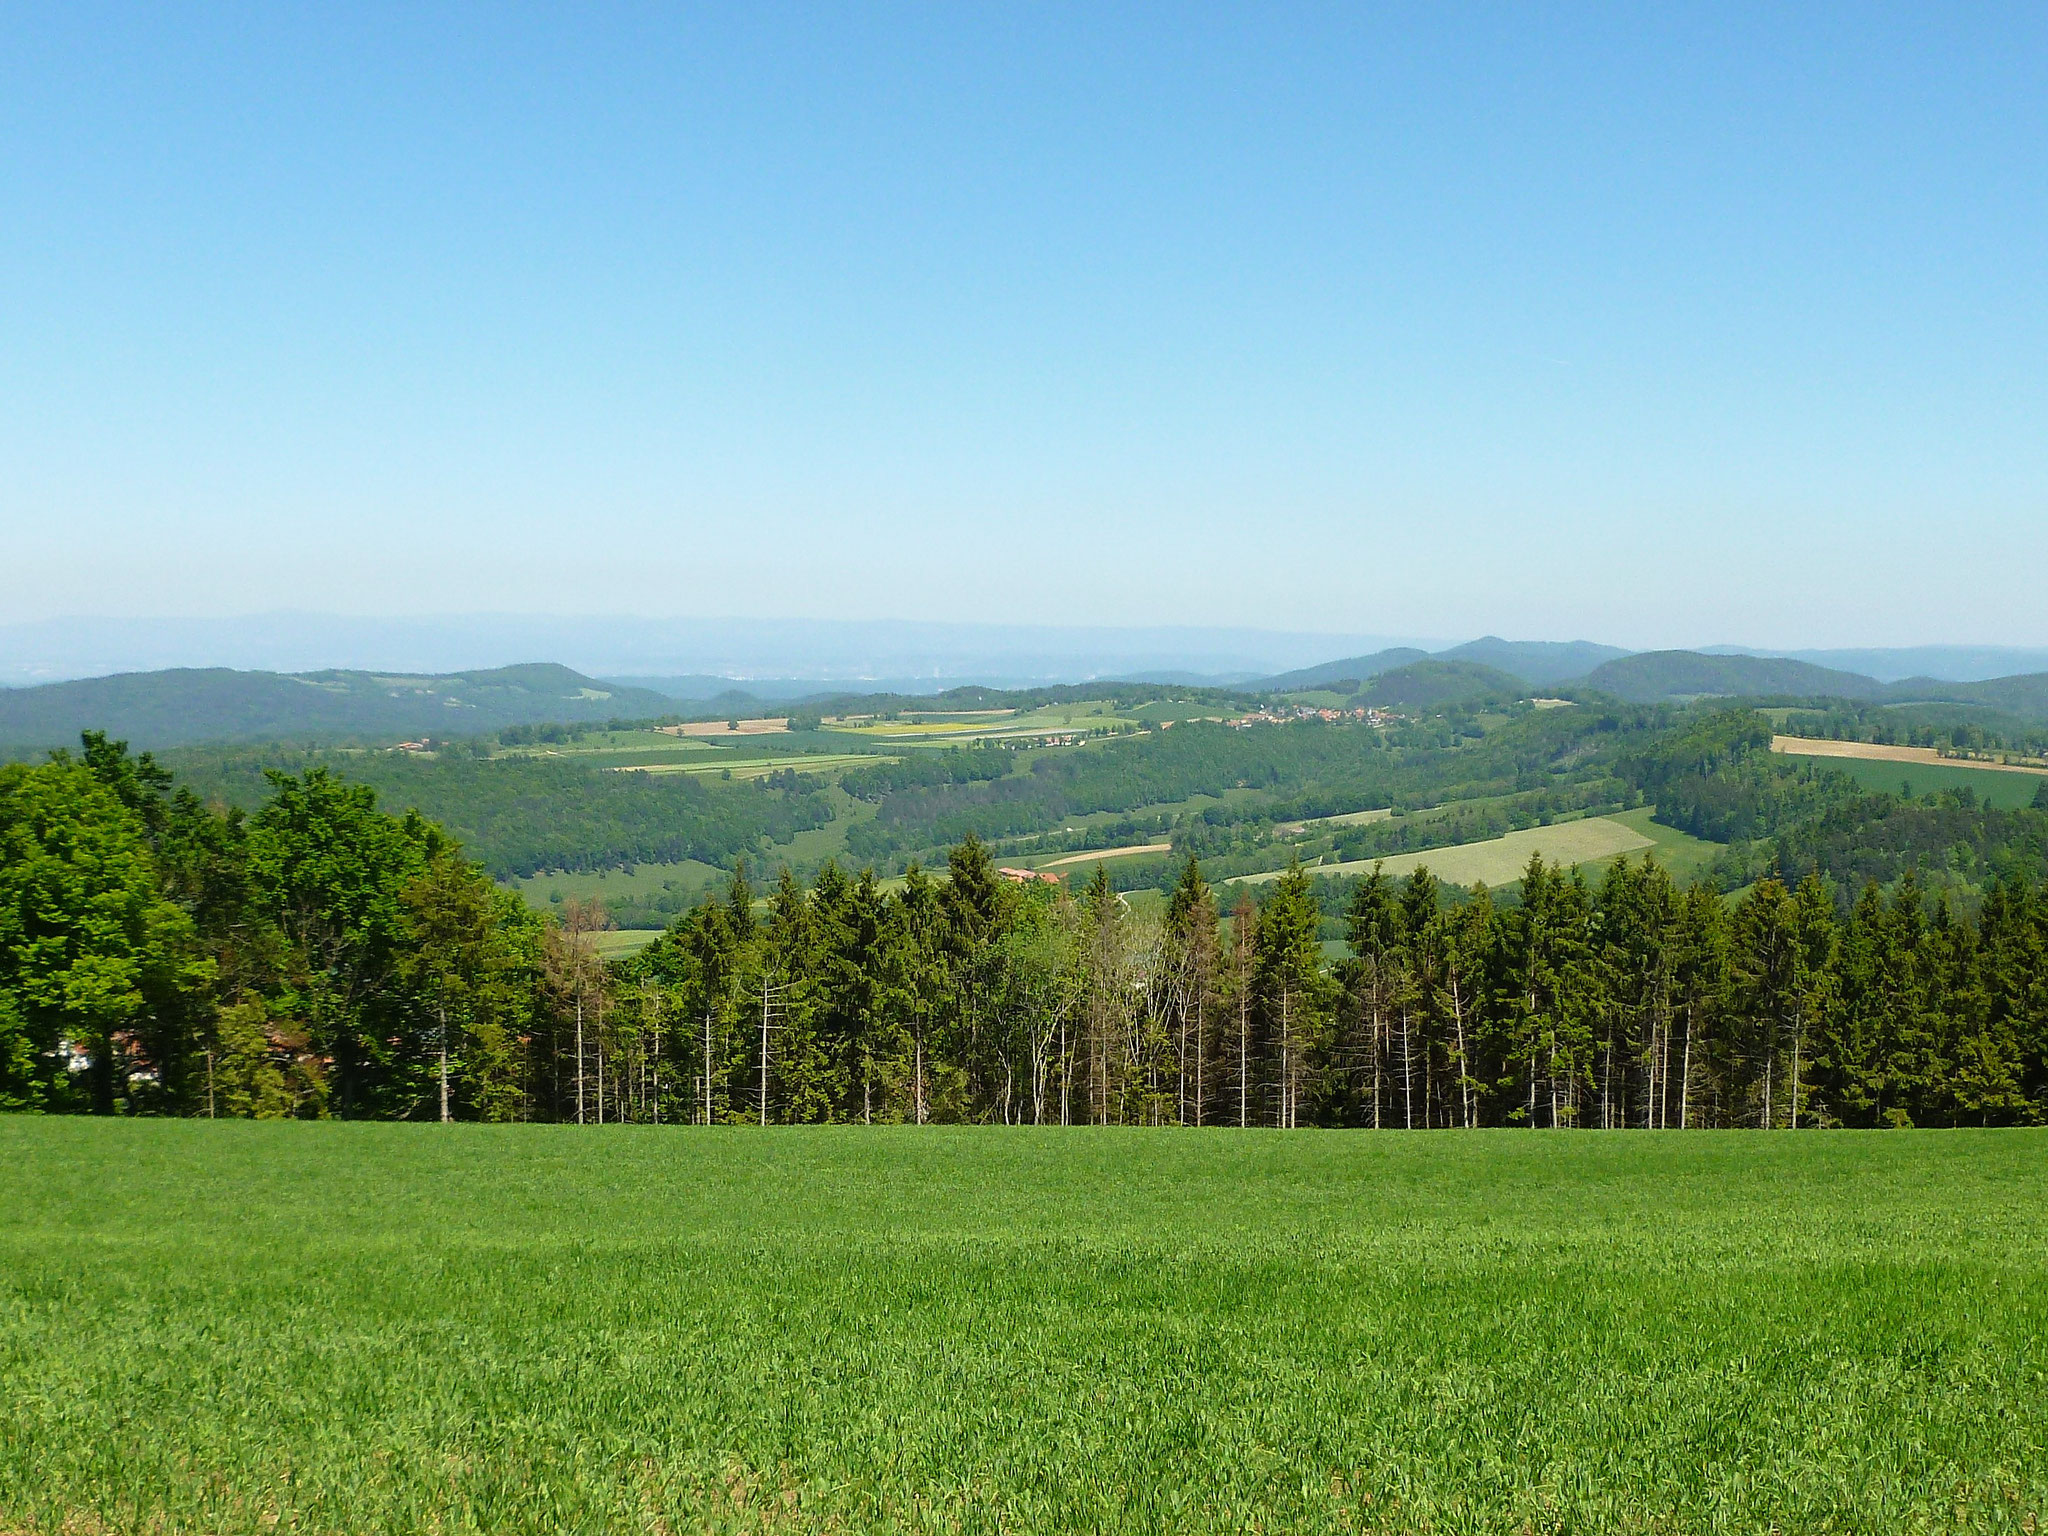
[(1994, 786), (227, 1327)]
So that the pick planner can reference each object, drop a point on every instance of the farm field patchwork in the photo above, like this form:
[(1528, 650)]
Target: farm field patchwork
[(353, 1327), (1885, 752), (917, 729)]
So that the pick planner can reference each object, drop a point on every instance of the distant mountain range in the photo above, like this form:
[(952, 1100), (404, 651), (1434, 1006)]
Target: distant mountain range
[(186, 705), (1535, 662), (783, 658), (1652, 675), (1949, 663), (764, 655), (182, 706), (1648, 677)]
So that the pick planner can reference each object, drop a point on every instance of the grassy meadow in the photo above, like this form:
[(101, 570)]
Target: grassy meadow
[(354, 1328), (1993, 786)]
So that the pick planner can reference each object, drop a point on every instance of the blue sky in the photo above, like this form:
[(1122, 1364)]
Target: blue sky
[(1654, 327)]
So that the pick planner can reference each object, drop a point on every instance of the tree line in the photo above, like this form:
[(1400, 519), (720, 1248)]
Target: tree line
[(318, 956)]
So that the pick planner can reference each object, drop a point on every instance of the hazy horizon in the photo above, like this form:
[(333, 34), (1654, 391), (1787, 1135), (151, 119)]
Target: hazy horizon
[(795, 650)]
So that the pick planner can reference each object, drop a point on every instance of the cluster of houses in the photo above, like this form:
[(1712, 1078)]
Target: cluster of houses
[(1282, 716)]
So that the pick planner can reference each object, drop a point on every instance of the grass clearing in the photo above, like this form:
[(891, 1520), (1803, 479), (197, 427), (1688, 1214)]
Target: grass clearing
[(1499, 860), (638, 883), (1348, 819), (352, 1327), (1686, 857), (1097, 855), (618, 943)]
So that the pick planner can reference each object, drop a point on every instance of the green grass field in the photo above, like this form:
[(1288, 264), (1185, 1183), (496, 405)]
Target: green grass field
[(1994, 786), (355, 1328)]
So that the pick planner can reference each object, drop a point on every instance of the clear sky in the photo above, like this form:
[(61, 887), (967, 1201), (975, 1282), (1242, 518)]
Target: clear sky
[(1620, 322)]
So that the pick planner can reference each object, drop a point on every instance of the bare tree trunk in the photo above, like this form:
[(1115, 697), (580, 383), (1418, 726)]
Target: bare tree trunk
[(1377, 1023), (1798, 1036), (1066, 1074), (707, 1066), (1407, 1069), (579, 1053), (1244, 1058), (445, 1116)]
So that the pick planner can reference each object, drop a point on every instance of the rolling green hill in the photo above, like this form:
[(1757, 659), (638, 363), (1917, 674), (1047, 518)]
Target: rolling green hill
[(1535, 661), (1652, 676), (2024, 698), (1433, 683), (186, 705), (1348, 669)]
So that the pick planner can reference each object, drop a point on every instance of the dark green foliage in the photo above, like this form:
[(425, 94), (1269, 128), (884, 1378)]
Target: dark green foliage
[(1305, 769), (960, 765), (521, 815), (1653, 675), (156, 956), (1431, 684)]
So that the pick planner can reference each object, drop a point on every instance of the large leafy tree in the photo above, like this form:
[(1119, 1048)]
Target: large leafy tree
[(92, 951), (335, 872)]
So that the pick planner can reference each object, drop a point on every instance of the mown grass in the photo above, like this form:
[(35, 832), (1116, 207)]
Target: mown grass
[(234, 1327)]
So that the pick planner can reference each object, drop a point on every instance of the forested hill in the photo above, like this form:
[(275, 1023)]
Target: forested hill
[(187, 705), (1666, 676), (1536, 661), (1532, 662), (1348, 669), (1655, 675), (1433, 684)]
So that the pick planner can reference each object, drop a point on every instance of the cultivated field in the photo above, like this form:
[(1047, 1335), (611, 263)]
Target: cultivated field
[(349, 1328), (1501, 860), (966, 727), (1922, 769), (1807, 746)]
